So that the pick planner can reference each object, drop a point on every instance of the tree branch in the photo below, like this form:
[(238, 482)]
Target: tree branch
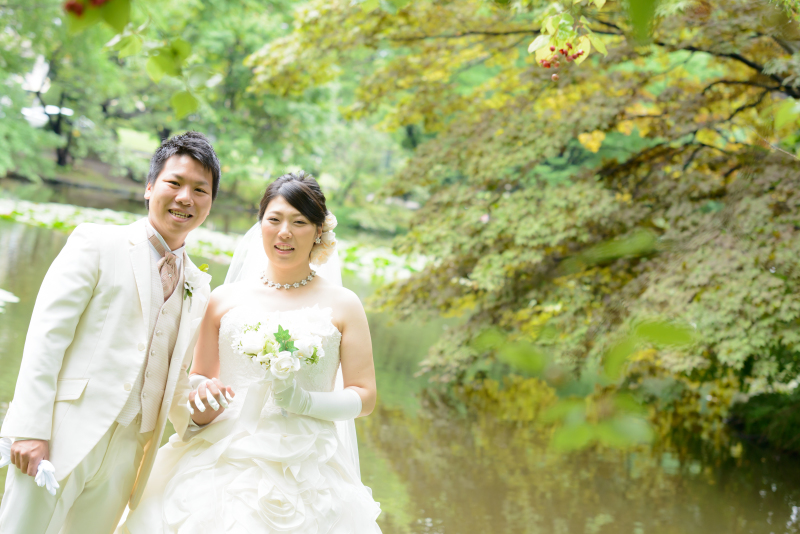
[(469, 33), (741, 82)]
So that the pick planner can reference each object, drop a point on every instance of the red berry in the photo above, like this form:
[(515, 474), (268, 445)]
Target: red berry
[(554, 77), (568, 58), (573, 57), (556, 64), (546, 65), (74, 7), (580, 52), (569, 45), (552, 48)]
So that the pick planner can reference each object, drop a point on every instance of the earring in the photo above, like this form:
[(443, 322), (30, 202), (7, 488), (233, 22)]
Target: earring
[(318, 240)]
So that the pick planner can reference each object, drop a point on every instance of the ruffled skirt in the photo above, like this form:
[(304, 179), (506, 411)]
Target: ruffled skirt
[(292, 474)]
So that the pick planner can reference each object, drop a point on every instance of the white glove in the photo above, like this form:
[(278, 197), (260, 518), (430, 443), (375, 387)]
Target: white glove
[(195, 381), (45, 476), (329, 406)]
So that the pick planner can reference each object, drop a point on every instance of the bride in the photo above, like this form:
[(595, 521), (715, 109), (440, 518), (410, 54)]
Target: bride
[(274, 460)]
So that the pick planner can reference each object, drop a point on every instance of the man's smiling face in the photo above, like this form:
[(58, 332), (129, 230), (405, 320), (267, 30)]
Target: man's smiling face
[(180, 198)]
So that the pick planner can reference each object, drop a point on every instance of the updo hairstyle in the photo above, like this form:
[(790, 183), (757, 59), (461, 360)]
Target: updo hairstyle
[(300, 190)]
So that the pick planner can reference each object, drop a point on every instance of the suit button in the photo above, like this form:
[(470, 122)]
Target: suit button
[(141, 346), (158, 332), (127, 387), (163, 311), (147, 374), (153, 352), (144, 395)]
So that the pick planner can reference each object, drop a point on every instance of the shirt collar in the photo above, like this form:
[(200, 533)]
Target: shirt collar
[(178, 251)]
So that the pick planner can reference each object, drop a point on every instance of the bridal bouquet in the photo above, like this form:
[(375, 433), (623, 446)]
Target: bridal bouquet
[(278, 351)]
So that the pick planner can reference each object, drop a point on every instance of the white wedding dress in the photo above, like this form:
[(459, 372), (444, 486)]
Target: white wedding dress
[(250, 472)]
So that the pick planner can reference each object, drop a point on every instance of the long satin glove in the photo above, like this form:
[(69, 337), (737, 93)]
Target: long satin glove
[(329, 406)]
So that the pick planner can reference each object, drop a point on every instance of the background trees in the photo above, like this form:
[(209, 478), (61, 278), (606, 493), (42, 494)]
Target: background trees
[(659, 180), (109, 92), (651, 178)]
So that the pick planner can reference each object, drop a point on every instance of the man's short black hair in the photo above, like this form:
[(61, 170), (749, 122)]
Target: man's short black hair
[(193, 144)]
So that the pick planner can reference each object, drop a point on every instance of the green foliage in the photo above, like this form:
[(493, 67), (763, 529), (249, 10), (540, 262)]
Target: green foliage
[(772, 418), (649, 182)]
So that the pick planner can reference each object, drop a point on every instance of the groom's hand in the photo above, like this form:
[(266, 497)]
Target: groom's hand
[(211, 396), (26, 455)]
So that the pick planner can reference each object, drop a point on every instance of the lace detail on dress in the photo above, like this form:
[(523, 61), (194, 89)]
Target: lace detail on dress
[(238, 371)]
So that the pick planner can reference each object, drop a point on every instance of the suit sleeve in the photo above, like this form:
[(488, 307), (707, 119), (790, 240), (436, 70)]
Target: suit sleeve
[(64, 295)]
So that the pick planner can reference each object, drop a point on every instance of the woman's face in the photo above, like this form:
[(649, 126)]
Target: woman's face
[(288, 236)]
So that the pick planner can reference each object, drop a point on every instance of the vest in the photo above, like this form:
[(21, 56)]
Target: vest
[(164, 321)]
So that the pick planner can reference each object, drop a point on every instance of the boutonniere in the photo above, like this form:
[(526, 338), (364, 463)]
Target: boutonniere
[(194, 280)]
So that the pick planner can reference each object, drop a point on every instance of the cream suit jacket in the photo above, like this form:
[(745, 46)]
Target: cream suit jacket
[(86, 344)]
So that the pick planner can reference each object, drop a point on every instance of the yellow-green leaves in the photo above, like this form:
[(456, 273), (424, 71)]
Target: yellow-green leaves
[(787, 112), (658, 333), (615, 420), (115, 13), (584, 44), (540, 42), (641, 14), (168, 60), (184, 103), (597, 42)]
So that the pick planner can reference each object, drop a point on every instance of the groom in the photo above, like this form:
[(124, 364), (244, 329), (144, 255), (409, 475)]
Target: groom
[(106, 354)]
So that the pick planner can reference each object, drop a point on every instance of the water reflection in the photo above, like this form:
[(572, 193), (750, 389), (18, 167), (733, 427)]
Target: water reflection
[(225, 217), (437, 468)]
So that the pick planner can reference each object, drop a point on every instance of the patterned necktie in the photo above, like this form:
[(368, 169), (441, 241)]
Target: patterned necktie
[(166, 266)]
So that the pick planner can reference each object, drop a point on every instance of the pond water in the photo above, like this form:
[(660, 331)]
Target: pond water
[(436, 469)]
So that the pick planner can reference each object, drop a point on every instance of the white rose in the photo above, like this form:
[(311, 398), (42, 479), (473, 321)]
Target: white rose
[(252, 342), (306, 346), (196, 278), (283, 365), (330, 222)]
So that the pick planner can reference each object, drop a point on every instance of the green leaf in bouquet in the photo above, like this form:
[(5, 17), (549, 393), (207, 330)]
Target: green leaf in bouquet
[(284, 339), (314, 358)]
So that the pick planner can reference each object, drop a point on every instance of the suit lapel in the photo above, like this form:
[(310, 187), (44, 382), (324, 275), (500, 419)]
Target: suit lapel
[(140, 261), (186, 317)]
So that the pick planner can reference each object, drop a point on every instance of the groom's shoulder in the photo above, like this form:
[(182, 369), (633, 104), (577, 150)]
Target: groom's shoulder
[(101, 232), (104, 236)]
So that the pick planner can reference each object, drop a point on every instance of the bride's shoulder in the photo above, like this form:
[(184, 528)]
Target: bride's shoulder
[(346, 304), (228, 296)]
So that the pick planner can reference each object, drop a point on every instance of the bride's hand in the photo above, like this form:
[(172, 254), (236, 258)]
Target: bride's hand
[(210, 400), (289, 396)]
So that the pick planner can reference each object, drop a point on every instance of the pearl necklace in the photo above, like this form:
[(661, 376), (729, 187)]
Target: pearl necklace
[(304, 281)]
